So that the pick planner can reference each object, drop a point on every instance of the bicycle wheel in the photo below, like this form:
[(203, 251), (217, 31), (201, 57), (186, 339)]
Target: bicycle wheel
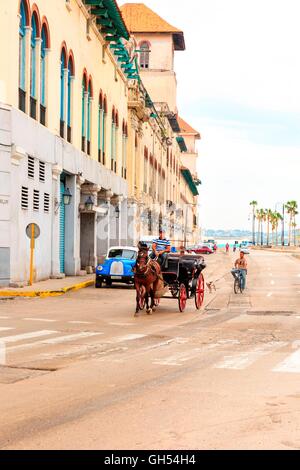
[(236, 286)]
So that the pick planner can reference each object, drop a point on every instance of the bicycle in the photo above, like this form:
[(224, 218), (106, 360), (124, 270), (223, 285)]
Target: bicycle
[(238, 281)]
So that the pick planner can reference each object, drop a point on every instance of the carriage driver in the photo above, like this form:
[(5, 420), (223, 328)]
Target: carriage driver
[(161, 247)]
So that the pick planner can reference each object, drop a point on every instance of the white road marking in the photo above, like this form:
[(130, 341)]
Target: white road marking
[(178, 358), (131, 337), (291, 364), (122, 324), (80, 322), (32, 334), (242, 360), (56, 340), (40, 319), (4, 318), (176, 340), (6, 329)]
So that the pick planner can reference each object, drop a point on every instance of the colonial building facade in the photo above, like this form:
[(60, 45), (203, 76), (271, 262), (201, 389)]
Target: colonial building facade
[(86, 152)]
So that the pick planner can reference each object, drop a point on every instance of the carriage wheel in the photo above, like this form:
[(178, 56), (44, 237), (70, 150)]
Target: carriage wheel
[(199, 296), (182, 297), (142, 300)]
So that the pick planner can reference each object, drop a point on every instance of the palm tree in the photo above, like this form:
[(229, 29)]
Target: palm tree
[(261, 217), (277, 217), (254, 205), (294, 226), (291, 207), (273, 226), (268, 216)]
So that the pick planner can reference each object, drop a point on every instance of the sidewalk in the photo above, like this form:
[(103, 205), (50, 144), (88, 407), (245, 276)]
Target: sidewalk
[(50, 288)]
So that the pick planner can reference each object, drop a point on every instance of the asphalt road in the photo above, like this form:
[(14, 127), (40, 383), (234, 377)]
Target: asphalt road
[(81, 372)]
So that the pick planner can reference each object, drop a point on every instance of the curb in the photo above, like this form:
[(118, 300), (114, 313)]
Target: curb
[(47, 293)]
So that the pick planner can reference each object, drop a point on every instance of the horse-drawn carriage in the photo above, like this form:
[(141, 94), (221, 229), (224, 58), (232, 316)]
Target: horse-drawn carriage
[(181, 277), (184, 279)]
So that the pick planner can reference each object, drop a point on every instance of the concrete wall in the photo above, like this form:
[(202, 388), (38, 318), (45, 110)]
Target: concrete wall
[(5, 195), (30, 138)]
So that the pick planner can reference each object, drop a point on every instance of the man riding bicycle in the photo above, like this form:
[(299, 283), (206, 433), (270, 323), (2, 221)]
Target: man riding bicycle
[(241, 267)]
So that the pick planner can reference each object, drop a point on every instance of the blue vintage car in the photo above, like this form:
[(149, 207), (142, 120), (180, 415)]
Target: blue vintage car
[(118, 266)]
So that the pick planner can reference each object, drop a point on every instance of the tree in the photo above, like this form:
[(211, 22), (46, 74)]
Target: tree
[(254, 205), (291, 207), (277, 217), (261, 217), (268, 218)]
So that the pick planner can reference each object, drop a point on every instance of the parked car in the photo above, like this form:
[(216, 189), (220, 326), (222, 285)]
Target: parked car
[(201, 249), (118, 266), (245, 250)]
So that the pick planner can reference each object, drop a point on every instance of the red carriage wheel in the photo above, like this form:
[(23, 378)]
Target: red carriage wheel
[(182, 298), (199, 295)]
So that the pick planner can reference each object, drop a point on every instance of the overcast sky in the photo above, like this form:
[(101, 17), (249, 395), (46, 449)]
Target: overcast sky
[(239, 85)]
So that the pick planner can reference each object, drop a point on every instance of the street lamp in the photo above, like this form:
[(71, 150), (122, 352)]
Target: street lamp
[(89, 204), (67, 196), (65, 200)]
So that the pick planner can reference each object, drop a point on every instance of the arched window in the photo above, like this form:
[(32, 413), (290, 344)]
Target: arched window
[(113, 141), (89, 115), (44, 47), (63, 66), (145, 55), (24, 20), (71, 75), (124, 149), (145, 170), (83, 112), (101, 129), (33, 63)]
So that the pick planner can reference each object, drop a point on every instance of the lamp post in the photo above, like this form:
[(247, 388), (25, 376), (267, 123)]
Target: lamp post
[(89, 204)]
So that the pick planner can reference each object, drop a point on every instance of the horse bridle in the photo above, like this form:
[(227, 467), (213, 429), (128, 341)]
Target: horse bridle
[(145, 270)]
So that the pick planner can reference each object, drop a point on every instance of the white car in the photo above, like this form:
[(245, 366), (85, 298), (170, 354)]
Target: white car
[(245, 250)]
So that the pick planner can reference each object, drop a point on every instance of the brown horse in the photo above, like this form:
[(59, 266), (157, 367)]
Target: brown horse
[(146, 279)]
